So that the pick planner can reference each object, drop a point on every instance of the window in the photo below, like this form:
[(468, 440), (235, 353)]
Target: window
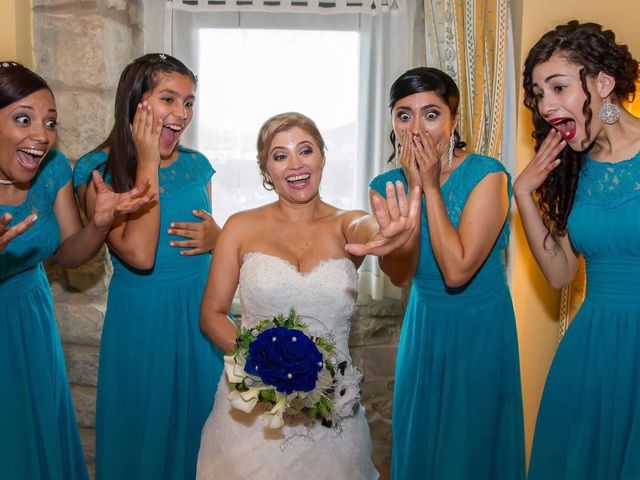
[(247, 75), (344, 89)]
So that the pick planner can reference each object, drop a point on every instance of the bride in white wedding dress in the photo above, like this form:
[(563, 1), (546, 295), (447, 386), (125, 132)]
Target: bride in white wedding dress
[(293, 253)]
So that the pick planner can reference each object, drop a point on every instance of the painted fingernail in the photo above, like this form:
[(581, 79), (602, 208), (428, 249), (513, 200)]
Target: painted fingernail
[(171, 244), (169, 231), (173, 224), (35, 217)]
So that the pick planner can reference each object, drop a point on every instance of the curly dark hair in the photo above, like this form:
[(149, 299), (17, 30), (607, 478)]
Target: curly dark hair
[(425, 79), (595, 50)]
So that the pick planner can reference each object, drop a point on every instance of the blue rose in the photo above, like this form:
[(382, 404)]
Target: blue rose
[(286, 359)]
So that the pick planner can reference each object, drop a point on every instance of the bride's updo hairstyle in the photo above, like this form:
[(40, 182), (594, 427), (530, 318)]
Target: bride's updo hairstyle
[(281, 123), (595, 50)]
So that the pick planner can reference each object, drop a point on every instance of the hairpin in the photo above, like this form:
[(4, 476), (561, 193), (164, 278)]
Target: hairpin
[(163, 57), (8, 64)]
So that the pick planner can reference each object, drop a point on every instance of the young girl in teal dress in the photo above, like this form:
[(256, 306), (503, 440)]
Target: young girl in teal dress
[(457, 408), (39, 219), (586, 177), (158, 372)]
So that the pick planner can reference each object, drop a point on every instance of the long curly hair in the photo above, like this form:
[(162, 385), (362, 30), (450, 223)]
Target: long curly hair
[(595, 50), (425, 79)]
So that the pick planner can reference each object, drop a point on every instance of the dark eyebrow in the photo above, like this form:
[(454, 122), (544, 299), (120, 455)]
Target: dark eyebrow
[(29, 107), (550, 77), (424, 107), (174, 93)]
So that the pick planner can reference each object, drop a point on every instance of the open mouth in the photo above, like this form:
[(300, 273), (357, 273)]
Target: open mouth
[(565, 126), (170, 134), (299, 181), (30, 158)]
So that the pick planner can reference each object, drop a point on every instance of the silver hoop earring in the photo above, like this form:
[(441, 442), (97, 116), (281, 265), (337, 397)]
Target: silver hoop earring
[(609, 113)]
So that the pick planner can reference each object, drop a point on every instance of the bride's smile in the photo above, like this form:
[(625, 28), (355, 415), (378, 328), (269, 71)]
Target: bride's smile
[(294, 165)]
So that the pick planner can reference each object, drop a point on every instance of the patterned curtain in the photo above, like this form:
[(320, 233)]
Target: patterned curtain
[(468, 40)]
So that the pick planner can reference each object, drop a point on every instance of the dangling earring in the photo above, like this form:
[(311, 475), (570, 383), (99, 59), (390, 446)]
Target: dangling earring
[(609, 113), (452, 147)]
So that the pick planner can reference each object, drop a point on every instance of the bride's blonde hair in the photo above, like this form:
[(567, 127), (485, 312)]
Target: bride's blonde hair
[(281, 123)]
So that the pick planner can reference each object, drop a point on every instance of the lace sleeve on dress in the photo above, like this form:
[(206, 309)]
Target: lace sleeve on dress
[(608, 185), (56, 170), (86, 165), (200, 168), (379, 183)]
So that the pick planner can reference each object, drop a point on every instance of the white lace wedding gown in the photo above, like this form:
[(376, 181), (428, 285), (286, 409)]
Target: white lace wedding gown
[(234, 444)]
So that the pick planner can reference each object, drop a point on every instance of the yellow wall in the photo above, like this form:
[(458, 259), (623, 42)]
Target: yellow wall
[(537, 304), (15, 31)]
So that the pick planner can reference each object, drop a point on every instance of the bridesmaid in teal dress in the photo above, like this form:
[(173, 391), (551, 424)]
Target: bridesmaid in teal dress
[(158, 372), (457, 407), (586, 173), (39, 219)]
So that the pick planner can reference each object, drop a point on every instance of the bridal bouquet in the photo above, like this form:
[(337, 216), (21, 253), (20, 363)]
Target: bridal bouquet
[(279, 364)]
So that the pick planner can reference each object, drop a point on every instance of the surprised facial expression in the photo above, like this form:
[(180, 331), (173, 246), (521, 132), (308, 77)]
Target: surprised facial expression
[(171, 100), (27, 133), (424, 111), (560, 98)]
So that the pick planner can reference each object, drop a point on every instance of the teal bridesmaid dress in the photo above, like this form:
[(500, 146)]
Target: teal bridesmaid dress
[(457, 405), (38, 432), (158, 372), (588, 425)]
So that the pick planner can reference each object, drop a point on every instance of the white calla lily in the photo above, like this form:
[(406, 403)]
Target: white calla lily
[(235, 372), (244, 401), (273, 418)]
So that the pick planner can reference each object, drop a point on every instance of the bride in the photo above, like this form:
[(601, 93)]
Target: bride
[(293, 253)]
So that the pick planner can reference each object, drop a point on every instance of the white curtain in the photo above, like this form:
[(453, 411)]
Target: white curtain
[(387, 46), (387, 38)]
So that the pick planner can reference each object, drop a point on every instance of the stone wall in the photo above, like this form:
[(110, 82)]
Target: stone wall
[(81, 47)]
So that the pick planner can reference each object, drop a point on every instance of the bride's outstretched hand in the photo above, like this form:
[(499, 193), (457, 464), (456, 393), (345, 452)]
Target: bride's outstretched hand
[(396, 217)]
